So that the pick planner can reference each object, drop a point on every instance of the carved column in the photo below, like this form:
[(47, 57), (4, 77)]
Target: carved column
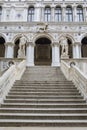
[(38, 12), (9, 50), (55, 54), (74, 14), (85, 14), (42, 14), (52, 14), (63, 13), (30, 54), (77, 50)]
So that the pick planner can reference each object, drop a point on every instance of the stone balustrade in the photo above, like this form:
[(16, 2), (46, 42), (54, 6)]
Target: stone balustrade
[(9, 77), (76, 75)]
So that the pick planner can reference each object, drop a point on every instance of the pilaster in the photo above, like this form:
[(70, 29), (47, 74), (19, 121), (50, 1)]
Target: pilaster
[(55, 54), (30, 54), (9, 49)]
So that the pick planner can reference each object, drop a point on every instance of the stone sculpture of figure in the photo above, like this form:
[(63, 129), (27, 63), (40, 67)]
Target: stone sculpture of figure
[(21, 51), (64, 45)]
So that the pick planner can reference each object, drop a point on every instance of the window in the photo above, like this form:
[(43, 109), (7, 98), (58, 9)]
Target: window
[(0, 13), (58, 14), (47, 14), (69, 14), (80, 14), (31, 14)]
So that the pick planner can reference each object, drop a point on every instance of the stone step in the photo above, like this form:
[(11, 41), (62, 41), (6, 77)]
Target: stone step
[(44, 101), (40, 116), (42, 123), (44, 93), (43, 110), (43, 97), (44, 105)]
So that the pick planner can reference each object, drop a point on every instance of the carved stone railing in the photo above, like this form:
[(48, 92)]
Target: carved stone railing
[(74, 74), (8, 78)]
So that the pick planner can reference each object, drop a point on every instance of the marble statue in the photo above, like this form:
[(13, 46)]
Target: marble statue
[(21, 51), (64, 45)]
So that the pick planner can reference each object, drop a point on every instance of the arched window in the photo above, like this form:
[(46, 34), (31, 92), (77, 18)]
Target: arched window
[(31, 14), (58, 14), (69, 14), (0, 12), (47, 14), (80, 17)]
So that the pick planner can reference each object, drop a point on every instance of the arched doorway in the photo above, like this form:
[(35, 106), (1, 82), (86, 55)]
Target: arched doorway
[(84, 47), (43, 52), (2, 47)]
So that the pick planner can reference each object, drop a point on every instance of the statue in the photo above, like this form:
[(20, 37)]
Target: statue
[(64, 45), (21, 51)]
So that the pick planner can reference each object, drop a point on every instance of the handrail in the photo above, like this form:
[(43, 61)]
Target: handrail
[(8, 78), (74, 74)]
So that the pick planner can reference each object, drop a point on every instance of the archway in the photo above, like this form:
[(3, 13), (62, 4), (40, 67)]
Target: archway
[(2, 47), (43, 52), (84, 47)]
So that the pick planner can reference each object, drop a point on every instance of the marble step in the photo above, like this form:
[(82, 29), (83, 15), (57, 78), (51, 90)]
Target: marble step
[(43, 110), (44, 105), (44, 101)]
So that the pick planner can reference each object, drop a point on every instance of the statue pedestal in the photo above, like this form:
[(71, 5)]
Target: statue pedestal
[(64, 56)]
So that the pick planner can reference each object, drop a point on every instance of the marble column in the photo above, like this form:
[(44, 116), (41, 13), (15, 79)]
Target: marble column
[(77, 50), (84, 13), (42, 14), (55, 54), (38, 13), (9, 50), (63, 13), (74, 14), (30, 54), (52, 14)]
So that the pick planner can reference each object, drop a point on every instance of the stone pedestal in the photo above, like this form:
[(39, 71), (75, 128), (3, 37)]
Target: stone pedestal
[(64, 56)]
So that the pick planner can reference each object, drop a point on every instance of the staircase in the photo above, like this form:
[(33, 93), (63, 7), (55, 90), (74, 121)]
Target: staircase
[(43, 97)]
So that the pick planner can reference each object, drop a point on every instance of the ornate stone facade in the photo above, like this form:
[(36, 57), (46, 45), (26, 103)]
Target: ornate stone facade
[(50, 19)]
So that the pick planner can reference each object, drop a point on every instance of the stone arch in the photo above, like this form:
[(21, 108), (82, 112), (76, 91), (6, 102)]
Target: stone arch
[(70, 42), (16, 41), (42, 35), (2, 46)]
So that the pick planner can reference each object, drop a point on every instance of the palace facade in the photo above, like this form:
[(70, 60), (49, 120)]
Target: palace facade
[(44, 23)]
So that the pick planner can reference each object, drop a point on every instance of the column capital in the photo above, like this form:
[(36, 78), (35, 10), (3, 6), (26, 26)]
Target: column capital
[(55, 44), (77, 43), (9, 44), (30, 44)]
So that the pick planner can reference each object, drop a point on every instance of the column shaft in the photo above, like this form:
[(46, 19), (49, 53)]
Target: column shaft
[(30, 55), (55, 55)]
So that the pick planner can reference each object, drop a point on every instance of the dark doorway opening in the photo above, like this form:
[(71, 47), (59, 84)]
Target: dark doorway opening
[(43, 52), (2, 47), (84, 47)]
